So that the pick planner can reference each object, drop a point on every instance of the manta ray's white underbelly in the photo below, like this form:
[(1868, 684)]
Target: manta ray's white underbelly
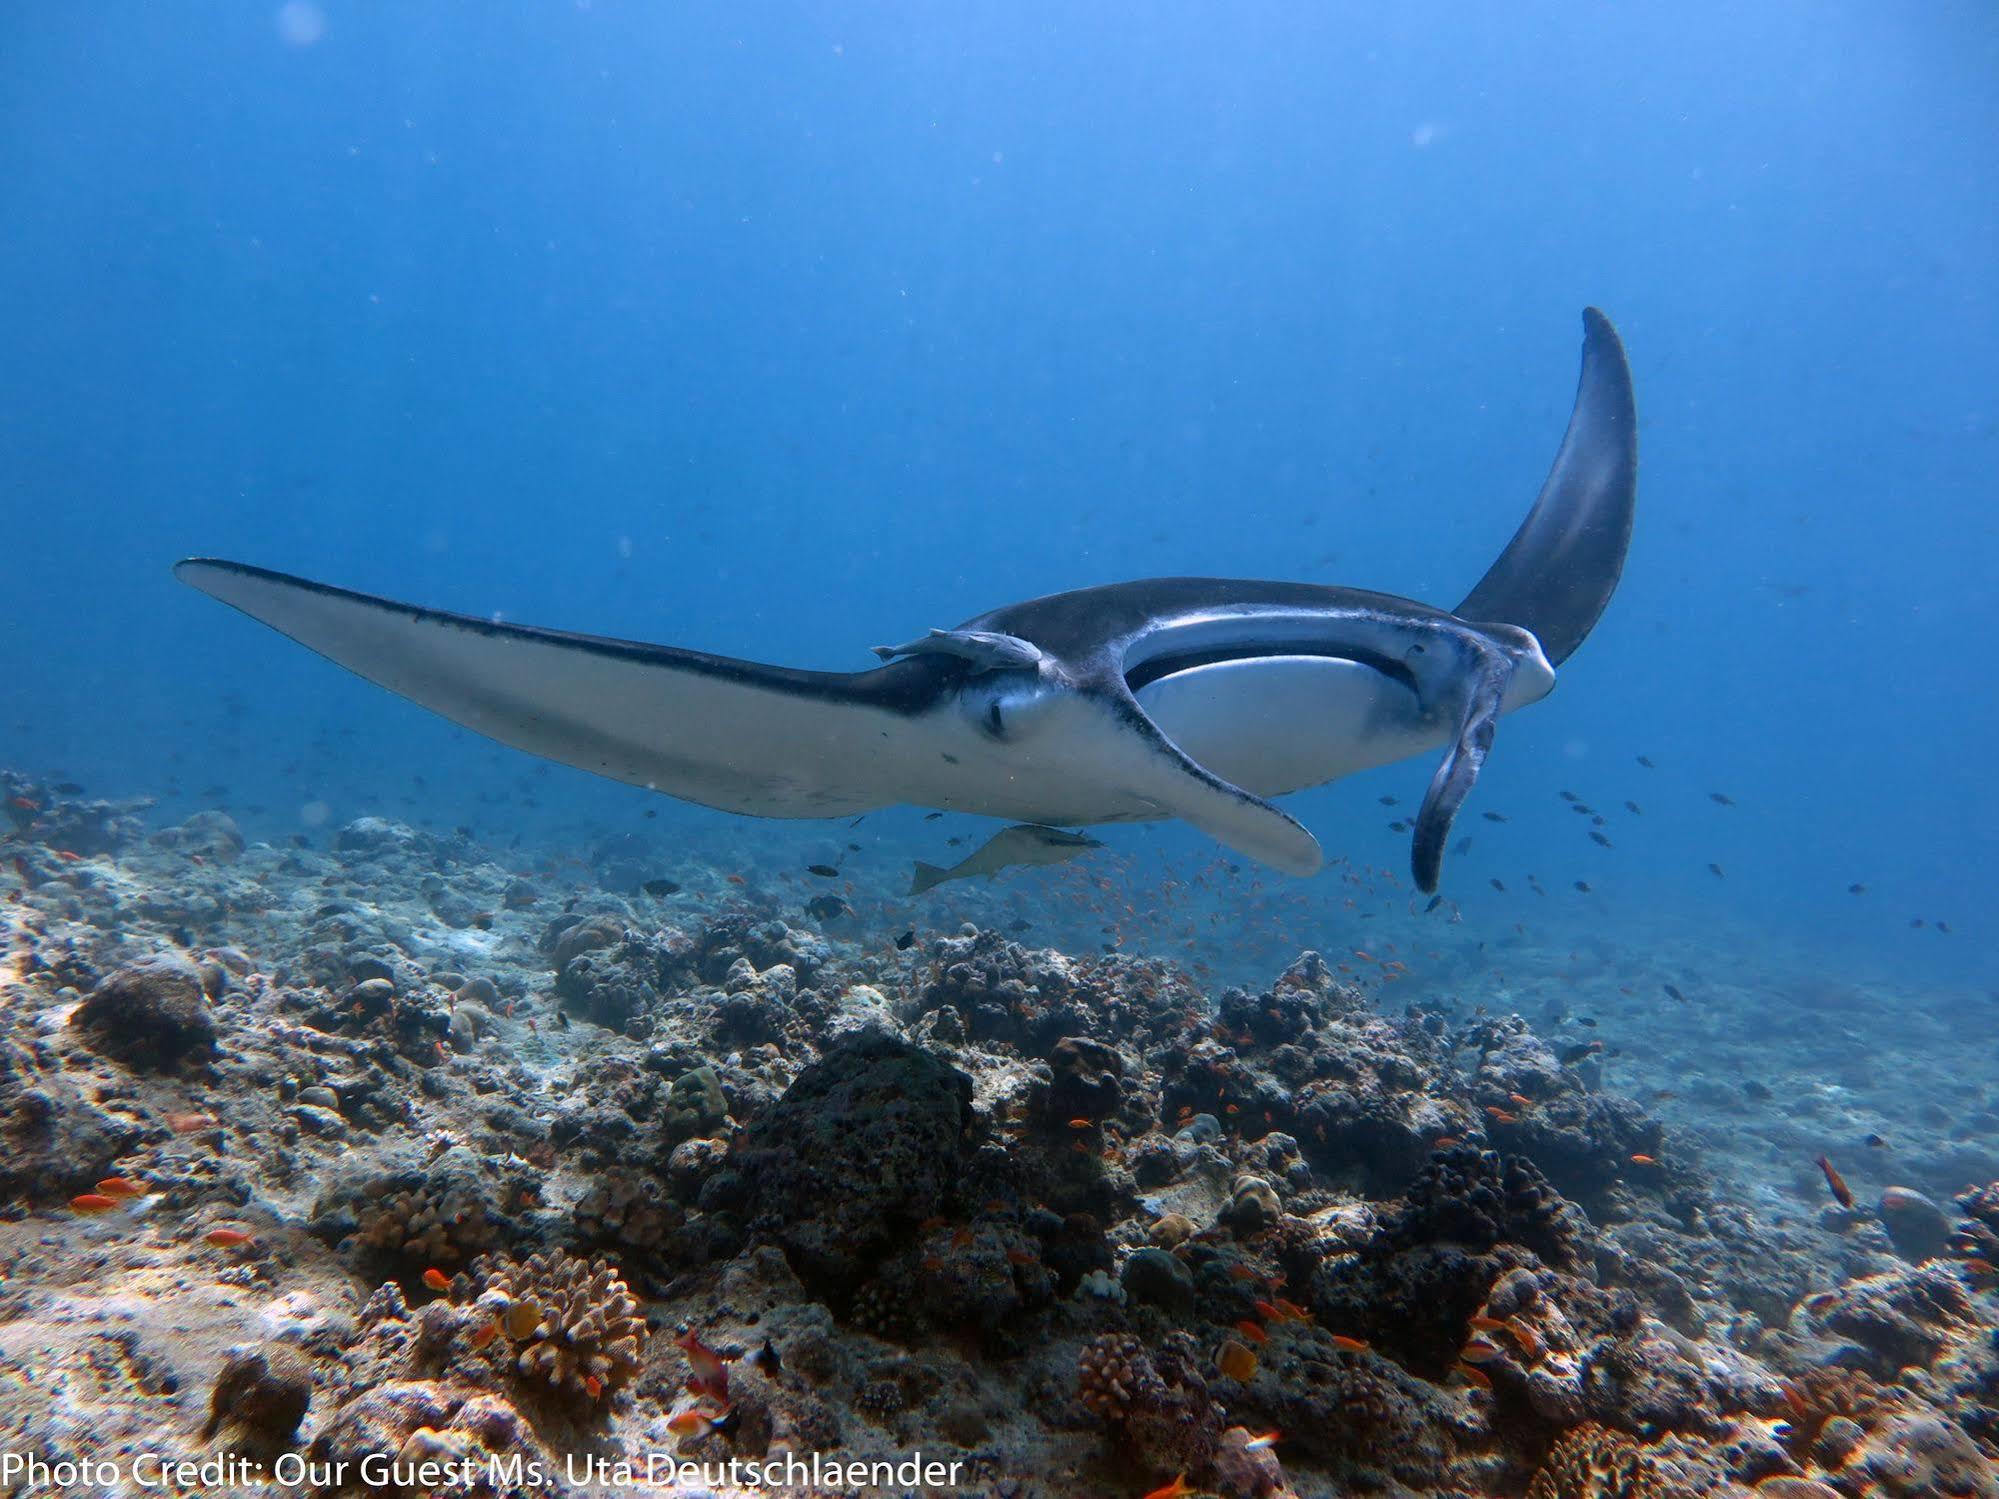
[(1276, 724), (1272, 725)]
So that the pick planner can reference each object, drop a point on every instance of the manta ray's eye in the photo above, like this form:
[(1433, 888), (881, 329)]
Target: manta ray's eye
[(1006, 709)]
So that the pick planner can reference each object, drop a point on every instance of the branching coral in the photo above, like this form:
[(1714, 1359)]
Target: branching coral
[(566, 1322), (1159, 1406), (1593, 1462)]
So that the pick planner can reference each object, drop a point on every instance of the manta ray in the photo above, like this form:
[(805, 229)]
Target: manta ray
[(1195, 698)]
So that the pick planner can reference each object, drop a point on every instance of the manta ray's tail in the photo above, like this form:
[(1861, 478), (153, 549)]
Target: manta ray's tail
[(1560, 569)]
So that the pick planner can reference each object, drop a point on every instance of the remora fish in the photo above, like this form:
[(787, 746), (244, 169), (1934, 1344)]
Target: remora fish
[(1024, 843)]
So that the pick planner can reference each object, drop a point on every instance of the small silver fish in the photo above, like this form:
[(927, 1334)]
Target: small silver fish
[(1023, 843)]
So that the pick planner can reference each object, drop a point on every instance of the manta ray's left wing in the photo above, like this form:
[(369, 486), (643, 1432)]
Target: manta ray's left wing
[(737, 735)]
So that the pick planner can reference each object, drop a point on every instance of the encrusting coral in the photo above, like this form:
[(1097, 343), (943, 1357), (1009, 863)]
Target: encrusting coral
[(426, 1226)]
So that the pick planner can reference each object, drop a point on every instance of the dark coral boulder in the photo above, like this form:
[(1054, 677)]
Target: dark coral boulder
[(1479, 1198), (1469, 1217), (1583, 1140), (53, 1140), (866, 1143), (151, 1016), (1087, 1080)]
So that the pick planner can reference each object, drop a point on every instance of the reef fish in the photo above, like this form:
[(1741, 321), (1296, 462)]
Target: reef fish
[(689, 1424), (1841, 1192), (708, 1374), (1190, 698)]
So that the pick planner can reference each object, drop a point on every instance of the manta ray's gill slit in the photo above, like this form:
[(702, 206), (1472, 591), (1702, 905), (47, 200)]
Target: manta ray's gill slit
[(1153, 668)]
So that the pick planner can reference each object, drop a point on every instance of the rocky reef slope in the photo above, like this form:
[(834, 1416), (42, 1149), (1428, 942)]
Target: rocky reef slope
[(384, 1150)]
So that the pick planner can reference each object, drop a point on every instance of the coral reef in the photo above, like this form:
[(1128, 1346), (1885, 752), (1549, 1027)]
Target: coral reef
[(469, 1435), (395, 1129), (1977, 1237)]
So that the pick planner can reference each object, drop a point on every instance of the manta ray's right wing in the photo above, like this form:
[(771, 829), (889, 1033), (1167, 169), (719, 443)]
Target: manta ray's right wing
[(1560, 569), (737, 735)]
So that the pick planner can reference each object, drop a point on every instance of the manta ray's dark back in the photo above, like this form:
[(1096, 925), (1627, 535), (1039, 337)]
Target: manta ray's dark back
[(1560, 569)]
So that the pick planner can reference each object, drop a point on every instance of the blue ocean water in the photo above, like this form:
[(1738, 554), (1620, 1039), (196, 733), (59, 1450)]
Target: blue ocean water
[(786, 331)]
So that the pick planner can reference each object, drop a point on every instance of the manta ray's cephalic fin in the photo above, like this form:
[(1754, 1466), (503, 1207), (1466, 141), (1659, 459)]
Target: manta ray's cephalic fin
[(1485, 682)]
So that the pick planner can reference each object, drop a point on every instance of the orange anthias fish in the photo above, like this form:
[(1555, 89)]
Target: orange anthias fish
[(122, 1186), (1500, 1116), (710, 1375), (1841, 1192), (1644, 1160), (1251, 1331), (92, 1202), (227, 1238), (436, 1279), (1472, 1375), (1350, 1345), (1179, 1488)]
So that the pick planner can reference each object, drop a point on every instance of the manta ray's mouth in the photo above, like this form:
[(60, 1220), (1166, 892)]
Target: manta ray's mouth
[(1150, 670)]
